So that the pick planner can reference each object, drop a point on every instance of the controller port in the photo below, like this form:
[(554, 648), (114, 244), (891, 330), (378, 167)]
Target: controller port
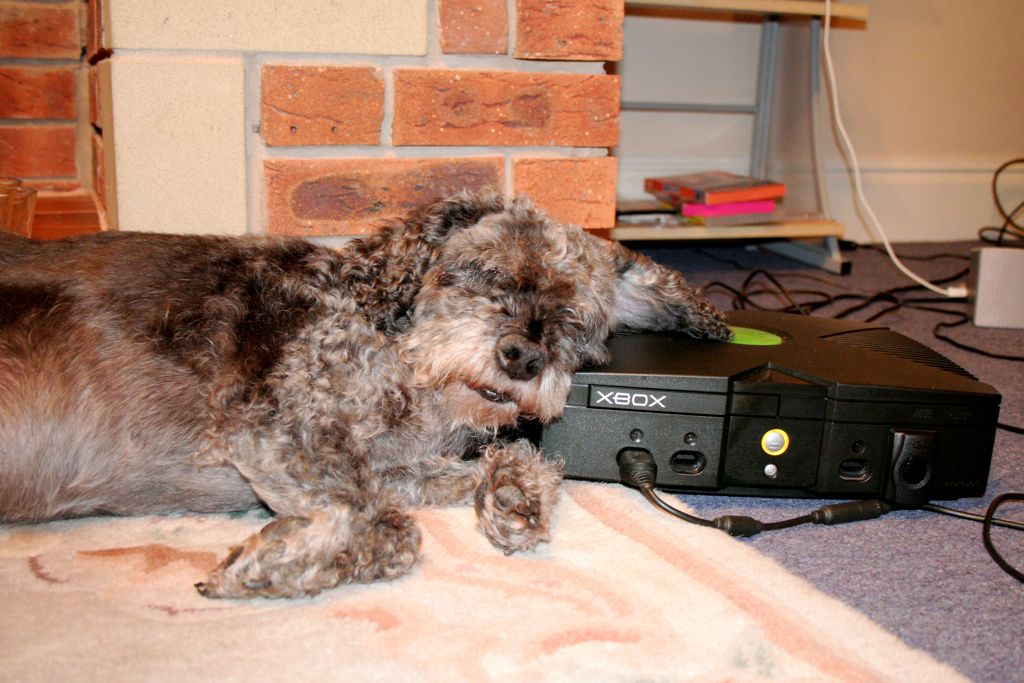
[(687, 462), (854, 469)]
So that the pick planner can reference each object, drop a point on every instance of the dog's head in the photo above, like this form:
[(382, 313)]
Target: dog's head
[(514, 303)]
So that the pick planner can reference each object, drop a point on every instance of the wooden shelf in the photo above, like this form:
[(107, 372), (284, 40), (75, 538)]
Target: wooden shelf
[(808, 8), (791, 229)]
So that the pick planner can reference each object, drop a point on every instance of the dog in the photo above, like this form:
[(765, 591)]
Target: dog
[(151, 374)]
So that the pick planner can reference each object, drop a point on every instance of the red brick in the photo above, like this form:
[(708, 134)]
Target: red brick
[(570, 29), (39, 151), (466, 107), (353, 196), (578, 191), (322, 105), (474, 26), (37, 92), (35, 30)]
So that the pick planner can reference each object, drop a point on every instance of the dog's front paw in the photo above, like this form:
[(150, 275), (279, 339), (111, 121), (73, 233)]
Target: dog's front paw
[(516, 498), (295, 556), (272, 564)]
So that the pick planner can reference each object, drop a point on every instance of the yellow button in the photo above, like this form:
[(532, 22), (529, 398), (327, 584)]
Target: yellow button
[(775, 442)]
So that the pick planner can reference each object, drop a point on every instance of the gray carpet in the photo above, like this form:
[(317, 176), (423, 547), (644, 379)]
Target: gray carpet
[(925, 577)]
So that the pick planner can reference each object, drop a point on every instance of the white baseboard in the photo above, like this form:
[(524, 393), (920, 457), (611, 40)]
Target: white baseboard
[(915, 202)]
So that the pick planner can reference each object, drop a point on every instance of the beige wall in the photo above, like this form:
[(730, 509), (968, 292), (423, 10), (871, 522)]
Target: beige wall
[(929, 90)]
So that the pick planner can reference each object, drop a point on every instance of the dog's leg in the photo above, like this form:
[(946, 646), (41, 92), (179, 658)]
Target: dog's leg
[(319, 540), (516, 496), (452, 481)]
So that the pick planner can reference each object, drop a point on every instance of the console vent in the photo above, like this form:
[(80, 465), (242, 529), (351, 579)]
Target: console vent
[(894, 344)]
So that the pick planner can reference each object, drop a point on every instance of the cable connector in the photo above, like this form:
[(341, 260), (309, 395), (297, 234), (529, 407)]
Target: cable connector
[(739, 525), (854, 511), (637, 468)]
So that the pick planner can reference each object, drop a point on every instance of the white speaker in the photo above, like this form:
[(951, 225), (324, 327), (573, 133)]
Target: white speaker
[(995, 288)]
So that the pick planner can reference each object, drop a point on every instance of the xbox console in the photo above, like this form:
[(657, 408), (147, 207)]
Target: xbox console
[(793, 406)]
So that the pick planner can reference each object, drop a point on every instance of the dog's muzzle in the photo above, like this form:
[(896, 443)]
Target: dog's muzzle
[(519, 357)]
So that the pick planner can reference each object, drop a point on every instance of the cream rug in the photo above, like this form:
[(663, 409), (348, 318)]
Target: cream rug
[(623, 593)]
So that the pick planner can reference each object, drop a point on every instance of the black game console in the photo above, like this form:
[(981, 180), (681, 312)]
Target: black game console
[(794, 406)]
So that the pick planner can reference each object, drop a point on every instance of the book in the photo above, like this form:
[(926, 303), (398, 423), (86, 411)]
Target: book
[(761, 206), (714, 187), (668, 199), (646, 212), (735, 219)]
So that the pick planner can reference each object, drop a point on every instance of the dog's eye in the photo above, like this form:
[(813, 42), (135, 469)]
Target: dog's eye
[(477, 274)]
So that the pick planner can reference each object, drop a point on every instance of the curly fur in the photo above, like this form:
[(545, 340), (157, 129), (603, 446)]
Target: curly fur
[(147, 374)]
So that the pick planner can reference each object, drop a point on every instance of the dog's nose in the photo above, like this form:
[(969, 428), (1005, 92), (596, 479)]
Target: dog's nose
[(519, 357)]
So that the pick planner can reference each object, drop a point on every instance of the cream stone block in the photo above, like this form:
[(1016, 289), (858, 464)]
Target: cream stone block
[(378, 27), (179, 143)]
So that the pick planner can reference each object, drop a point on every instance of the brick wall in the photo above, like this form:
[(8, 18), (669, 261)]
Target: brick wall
[(41, 84), (311, 117)]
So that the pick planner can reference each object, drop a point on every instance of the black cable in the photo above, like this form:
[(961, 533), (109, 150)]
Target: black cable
[(778, 285), (655, 500), (962, 319), (797, 301), (972, 517), (986, 534), (638, 469), (1009, 226), (915, 257), (1010, 428), (988, 520), (891, 295), (744, 297)]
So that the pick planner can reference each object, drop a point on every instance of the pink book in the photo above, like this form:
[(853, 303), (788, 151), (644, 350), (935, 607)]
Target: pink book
[(730, 209)]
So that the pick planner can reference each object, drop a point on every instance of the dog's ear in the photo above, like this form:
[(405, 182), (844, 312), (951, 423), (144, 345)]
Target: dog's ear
[(649, 296), (444, 217), (388, 266)]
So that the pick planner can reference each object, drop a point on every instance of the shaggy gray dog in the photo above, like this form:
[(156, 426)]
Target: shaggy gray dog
[(147, 374)]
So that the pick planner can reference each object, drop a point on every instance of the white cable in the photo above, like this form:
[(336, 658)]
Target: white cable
[(874, 224)]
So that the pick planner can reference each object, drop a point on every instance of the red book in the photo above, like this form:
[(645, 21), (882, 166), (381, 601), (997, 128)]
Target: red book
[(765, 206), (715, 187)]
